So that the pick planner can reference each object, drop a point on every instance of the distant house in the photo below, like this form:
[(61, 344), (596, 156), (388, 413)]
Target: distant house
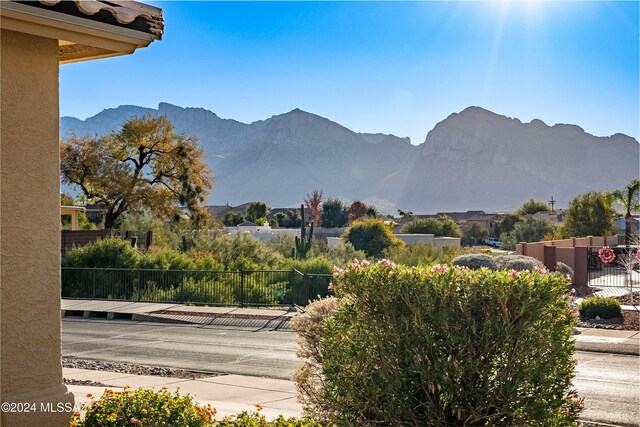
[(486, 222), (555, 218), (219, 211)]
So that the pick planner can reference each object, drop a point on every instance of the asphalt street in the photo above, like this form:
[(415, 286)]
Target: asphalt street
[(609, 383)]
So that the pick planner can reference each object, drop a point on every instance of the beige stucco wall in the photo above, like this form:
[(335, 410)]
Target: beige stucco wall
[(30, 228)]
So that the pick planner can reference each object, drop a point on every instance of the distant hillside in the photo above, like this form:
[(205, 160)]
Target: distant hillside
[(474, 159)]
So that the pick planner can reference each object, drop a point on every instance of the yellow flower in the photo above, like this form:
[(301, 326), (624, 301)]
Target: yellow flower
[(144, 411), (73, 424), (258, 406)]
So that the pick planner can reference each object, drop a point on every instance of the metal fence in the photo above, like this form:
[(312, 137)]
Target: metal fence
[(202, 287), (622, 272)]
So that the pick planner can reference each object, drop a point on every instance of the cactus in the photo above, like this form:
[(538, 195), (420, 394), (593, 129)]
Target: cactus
[(303, 243)]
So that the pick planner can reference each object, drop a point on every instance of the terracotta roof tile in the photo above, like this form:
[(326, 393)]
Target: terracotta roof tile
[(125, 12)]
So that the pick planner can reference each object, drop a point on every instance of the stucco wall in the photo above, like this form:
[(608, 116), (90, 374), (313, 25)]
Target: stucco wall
[(30, 226)]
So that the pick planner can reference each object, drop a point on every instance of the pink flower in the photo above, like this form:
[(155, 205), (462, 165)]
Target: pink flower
[(385, 262), (514, 274), (330, 286), (439, 268), (540, 270), (573, 291), (365, 263), (565, 410)]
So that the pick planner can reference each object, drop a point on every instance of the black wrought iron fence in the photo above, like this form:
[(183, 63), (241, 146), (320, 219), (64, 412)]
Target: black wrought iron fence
[(618, 268), (204, 287)]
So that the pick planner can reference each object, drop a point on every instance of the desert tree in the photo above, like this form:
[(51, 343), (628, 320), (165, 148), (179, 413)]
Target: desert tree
[(313, 203), (629, 199), (142, 167)]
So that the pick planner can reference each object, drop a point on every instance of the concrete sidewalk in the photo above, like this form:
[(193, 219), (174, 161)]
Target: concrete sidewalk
[(229, 394), (273, 318)]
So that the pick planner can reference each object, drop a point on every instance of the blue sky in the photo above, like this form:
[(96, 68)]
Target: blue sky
[(390, 67)]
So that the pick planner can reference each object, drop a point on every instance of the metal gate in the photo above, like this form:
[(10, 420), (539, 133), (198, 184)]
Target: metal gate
[(619, 268)]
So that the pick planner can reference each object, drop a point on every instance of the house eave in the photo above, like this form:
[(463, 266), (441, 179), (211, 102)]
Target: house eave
[(79, 39)]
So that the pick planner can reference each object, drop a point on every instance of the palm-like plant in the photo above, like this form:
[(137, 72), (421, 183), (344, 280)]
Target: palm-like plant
[(629, 198)]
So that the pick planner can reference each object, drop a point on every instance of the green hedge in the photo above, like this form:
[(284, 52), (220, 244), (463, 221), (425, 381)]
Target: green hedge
[(448, 346), (605, 307)]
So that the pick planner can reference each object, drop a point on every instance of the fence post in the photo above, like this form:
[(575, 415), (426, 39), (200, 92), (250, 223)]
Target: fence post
[(241, 288), (307, 290), (139, 282), (94, 283)]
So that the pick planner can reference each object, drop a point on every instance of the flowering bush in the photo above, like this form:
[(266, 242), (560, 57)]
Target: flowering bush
[(448, 346), (144, 408), (149, 408), (253, 419)]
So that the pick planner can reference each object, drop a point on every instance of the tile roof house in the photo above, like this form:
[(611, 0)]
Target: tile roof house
[(37, 36)]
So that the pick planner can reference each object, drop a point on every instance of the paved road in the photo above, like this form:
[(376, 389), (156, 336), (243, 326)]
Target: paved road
[(609, 383), (241, 351)]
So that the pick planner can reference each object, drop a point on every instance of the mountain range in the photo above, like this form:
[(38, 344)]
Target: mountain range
[(474, 159)]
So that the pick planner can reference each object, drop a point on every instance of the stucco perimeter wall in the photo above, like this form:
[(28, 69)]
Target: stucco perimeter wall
[(30, 369)]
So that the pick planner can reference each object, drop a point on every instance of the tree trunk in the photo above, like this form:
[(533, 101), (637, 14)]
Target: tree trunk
[(628, 229), (109, 220)]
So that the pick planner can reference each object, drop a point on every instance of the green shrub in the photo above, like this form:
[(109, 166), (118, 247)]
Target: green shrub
[(303, 288), (317, 265), (166, 259), (605, 307), (151, 408), (253, 419), (144, 407), (518, 263), (111, 252), (228, 248), (475, 261), (448, 346), (420, 254), (441, 226), (371, 236), (342, 253)]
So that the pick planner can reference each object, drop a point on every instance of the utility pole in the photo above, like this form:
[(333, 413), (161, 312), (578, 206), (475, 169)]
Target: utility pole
[(552, 202)]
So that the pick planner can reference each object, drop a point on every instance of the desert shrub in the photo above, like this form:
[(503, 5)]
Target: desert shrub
[(448, 346), (605, 307), (281, 244), (317, 265), (310, 327), (253, 419), (371, 236), (144, 407), (103, 253), (420, 254), (312, 283), (342, 253), (228, 248), (564, 270), (518, 263), (475, 261), (166, 259), (441, 226)]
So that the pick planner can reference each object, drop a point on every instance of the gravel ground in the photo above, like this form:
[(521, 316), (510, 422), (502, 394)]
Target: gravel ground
[(126, 368), (628, 300), (629, 322), (70, 381)]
